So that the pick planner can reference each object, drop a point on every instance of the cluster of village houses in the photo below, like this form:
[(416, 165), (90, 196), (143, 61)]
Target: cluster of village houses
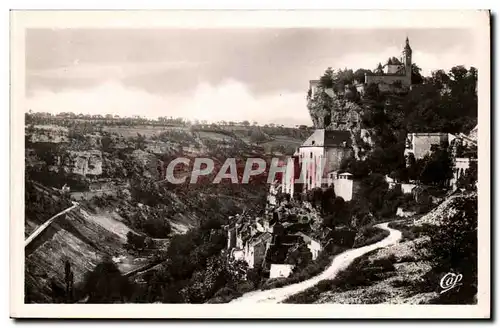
[(316, 164), (250, 238)]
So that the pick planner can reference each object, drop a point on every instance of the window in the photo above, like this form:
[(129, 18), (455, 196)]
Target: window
[(311, 155), (313, 142)]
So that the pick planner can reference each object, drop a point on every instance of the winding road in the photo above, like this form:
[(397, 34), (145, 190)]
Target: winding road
[(44, 226), (339, 263)]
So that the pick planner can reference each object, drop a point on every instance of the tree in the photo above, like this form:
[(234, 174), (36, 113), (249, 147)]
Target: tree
[(300, 257), (315, 196), (416, 77), (393, 198), (437, 168), (373, 189), (135, 241), (106, 143), (359, 169), (326, 81), (327, 200), (440, 79), (105, 284), (359, 75), (156, 227)]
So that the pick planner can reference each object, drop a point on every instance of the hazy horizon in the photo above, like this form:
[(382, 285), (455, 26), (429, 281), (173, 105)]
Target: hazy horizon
[(207, 74)]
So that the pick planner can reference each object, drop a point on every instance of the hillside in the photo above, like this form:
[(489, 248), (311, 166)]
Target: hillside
[(113, 173), (410, 272)]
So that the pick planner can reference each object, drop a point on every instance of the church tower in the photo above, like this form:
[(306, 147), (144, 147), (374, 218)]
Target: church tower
[(407, 60)]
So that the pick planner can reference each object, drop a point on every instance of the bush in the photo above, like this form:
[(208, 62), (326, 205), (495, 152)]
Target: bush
[(224, 292), (225, 295), (245, 287), (408, 233), (156, 227), (358, 274), (308, 296), (370, 235), (325, 285), (135, 241), (105, 284), (276, 283), (385, 263), (397, 283)]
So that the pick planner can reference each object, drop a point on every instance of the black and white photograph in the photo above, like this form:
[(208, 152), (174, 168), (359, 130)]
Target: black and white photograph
[(248, 166)]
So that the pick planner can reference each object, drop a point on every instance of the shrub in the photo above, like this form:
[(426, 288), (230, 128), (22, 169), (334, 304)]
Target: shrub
[(156, 227), (245, 287), (397, 283), (385, 264), (325, 285), (308, 296), (370, 235), (135, 241), (105, 284), (224, 292), (275, 283)]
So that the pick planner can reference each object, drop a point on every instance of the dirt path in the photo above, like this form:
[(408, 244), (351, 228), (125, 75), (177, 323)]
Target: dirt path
[(44, 226), (340, 262)]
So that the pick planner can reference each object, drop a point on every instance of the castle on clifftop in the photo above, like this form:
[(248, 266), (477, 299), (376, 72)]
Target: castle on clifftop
[(393, 76), (394, 70)]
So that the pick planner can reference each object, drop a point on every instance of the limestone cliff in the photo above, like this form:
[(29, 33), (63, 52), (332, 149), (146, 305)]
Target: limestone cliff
[(332, 110)]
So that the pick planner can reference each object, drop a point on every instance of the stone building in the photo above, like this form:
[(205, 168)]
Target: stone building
[(395, 71), (256, 248), (314, 245), (345, 186), (88, 162), (320, 154), (421, 144)]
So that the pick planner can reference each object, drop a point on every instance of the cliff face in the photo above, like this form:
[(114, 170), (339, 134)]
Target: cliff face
[(340, 111)]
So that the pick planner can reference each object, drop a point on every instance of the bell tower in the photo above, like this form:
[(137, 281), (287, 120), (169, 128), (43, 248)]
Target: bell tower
[(407, 60)]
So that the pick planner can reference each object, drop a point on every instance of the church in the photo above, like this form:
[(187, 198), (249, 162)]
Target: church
[(395, 71), (317, 161)]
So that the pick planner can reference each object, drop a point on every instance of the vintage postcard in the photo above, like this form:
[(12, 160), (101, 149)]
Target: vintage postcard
[(250, 164)]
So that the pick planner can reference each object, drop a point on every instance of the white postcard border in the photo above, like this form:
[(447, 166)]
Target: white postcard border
[(21, 20)]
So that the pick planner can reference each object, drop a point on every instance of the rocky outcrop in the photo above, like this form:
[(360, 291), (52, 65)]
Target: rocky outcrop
[(85, 162), (340, 111), (446, 209)]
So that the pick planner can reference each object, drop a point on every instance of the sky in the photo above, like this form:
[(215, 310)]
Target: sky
[(214, 74)]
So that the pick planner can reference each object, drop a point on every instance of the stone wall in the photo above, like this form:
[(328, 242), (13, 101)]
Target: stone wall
[(388, 79)]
